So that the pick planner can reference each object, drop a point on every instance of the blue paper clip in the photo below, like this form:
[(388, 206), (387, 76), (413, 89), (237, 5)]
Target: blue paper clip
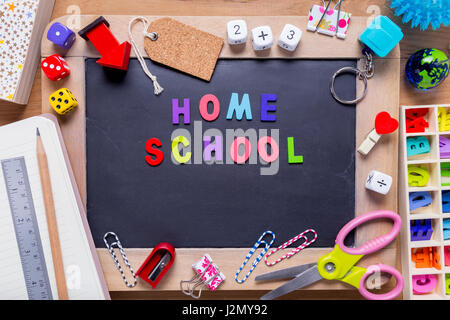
[(258, 258)]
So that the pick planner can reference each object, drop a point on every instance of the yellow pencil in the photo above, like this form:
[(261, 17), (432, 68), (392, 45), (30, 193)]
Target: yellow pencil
[(51, 218)]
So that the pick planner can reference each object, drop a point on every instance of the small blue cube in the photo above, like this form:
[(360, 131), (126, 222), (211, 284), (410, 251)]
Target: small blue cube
[(381, 36), (60, 35)]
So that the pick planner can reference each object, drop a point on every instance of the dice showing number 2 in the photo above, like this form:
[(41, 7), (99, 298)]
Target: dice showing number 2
[(289, 37), (237, 31), (262, 38)]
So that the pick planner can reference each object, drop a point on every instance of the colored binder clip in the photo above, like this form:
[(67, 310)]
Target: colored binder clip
[(421, 230), (207, 274), (157, 264), (424, 283), (444, 147), (258, 258), (384, 124), (302, 246), (446, 201), (329, 21), (417, 145), (419, 199), (446, 227), (418, 176), (426, 257)]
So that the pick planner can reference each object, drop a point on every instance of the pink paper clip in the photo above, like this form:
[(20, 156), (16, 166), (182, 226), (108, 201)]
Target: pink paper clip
[(295, 250)]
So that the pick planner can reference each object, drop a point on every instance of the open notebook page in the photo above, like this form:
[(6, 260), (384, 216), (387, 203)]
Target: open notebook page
[(19, 139)]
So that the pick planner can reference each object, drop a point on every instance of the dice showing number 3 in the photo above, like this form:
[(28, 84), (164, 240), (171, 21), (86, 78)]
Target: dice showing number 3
[(289, 37), (237, 31)]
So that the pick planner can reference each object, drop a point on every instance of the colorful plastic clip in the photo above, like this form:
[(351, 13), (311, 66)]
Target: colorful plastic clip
[(258, 258), (305, 243)]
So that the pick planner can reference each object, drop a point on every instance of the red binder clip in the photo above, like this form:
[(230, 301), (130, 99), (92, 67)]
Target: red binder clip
[(157, 264)]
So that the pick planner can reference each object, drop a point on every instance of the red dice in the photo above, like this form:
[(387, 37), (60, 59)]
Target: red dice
[(55, 67)]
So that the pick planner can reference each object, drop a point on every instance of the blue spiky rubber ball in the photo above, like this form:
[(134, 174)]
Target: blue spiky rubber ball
[(426, 68), (423, 13)]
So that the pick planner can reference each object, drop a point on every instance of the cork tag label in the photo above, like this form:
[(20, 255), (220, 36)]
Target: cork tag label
[(183, 47)]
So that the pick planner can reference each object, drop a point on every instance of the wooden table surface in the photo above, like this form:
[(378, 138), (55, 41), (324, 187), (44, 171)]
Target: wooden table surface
[(412, 41)]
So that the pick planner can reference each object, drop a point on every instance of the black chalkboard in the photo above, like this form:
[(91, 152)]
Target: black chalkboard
[(223, 206)]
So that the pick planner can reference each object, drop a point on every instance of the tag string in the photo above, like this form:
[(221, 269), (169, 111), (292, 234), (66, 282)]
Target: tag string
[(152, 36)]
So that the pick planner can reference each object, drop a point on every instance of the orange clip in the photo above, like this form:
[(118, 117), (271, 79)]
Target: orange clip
[(426, 257)]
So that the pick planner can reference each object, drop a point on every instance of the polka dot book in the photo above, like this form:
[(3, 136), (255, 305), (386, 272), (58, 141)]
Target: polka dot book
[(22, 24)]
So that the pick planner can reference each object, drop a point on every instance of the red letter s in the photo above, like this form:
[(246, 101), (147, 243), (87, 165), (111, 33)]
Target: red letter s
[(159, 155)]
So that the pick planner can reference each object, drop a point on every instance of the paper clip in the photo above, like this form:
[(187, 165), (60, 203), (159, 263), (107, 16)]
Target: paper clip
[(258, 258), (124, 257), (295, 250), (206, 274)]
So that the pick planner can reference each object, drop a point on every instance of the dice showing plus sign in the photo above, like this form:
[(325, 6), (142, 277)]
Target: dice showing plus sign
[(262, 38)]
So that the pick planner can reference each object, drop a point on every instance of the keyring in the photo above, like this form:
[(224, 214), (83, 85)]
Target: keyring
[(362, 75)]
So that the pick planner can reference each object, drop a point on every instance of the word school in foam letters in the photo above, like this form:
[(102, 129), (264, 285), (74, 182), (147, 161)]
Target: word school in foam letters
[(241, 146)]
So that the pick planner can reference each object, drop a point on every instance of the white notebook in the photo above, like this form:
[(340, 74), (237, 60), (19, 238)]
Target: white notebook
[(83, 272)]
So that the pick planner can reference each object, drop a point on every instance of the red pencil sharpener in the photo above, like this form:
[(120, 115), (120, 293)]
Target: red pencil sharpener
[(157, 264)]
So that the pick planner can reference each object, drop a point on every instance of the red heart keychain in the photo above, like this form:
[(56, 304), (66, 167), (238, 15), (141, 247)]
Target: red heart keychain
[(385, 124)]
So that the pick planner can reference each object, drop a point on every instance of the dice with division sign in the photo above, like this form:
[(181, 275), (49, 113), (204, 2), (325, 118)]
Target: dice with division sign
[(60, 35), (289, 37), (63, 101), (55, 67), (262, 38), (378, 182), (237, 31)]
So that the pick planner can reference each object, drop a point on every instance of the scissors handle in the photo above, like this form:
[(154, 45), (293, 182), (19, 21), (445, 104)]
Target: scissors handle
[(379, 268), (374, 244)]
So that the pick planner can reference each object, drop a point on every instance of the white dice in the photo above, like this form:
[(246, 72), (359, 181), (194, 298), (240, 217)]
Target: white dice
[(379, 182), (237, 31), (262, 38), (289, 37)]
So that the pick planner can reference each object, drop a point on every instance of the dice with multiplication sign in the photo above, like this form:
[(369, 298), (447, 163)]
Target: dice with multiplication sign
[(237, 31), (55, 67), (378, 182), (289, 37), (60, 35), (262, 38), (63, 101)]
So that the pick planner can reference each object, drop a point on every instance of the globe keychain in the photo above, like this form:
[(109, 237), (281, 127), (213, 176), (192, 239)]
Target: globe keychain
[(379, 38)]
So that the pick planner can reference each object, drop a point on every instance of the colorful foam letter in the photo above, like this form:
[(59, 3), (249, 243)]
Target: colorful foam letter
[(234, 150), (263, 151), (159, 155), (421, 230), (265, 107), (444, 147), (292, 158), (417, 145), (239, 108), (446, 201), (419, 199), (203, 107), (176, 153), (210, 147), (185, 111), (418, 176)]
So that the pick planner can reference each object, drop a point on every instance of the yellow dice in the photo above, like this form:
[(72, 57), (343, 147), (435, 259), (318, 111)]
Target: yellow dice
[(63, 101)]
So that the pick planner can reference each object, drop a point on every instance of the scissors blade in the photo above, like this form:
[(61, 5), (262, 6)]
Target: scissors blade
[(285, 273), (304, 279)]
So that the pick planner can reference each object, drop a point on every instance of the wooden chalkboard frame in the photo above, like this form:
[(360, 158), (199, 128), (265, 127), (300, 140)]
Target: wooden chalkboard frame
[(383, 94)]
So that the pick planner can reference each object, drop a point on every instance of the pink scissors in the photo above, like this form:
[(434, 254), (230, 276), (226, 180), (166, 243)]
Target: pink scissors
[(339, 264)]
